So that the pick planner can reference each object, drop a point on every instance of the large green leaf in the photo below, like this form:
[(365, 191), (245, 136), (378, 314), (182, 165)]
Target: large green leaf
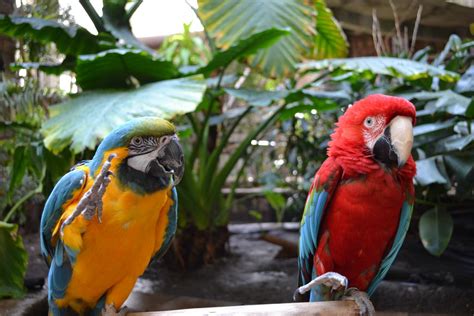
[(330, 40), (14, 260), (228, 21), (257, 98), (436, 228), (445, 101), (68, 39), (49, 68), (83, 121), (431, 171), (428, 133), (470, 109), (389, 66), (18, 169), (117, 21), (243, 48), (454, 143), (461, 165), (115, 68)]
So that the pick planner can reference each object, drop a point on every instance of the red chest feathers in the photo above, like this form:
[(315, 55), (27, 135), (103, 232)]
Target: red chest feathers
[(359, 227)]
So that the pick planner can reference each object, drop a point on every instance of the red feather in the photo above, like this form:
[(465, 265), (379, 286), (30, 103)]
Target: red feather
[(364, 212)]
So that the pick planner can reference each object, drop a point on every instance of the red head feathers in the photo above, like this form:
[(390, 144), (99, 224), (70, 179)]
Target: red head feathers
[(375, 133)]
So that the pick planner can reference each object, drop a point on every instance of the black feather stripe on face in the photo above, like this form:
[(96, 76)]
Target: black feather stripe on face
[(141, 145)]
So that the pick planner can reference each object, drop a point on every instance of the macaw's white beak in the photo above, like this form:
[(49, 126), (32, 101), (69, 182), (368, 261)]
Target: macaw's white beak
[(393, 148), (401, 132)]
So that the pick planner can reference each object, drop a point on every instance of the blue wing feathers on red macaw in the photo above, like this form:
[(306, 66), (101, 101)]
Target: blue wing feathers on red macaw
[(359, 206)]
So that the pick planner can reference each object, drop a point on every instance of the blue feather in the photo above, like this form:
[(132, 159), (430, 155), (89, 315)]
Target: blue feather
[(405, 217), (53, 209), (172, 224)]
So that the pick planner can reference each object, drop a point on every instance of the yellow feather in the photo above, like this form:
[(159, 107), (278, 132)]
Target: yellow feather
[(114, 253)]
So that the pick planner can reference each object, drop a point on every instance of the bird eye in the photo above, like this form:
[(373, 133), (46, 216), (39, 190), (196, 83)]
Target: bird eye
[(137, 140), (369, 122)]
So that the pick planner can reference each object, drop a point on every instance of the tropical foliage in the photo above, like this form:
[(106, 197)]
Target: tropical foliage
[(442, 92), (119, 78)]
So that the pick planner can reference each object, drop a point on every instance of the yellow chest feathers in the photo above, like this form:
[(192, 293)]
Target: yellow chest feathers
[(123, 206)]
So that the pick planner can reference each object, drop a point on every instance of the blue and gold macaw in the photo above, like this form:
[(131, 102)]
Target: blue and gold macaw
[(108, 216)]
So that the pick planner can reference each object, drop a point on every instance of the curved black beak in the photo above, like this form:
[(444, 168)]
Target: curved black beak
[(393, 148), (170, 159)]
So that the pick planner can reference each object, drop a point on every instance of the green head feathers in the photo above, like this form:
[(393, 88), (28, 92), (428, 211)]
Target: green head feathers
[(121, 136)]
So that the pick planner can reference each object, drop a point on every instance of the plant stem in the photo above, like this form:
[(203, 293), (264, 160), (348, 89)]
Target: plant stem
[(27, 195), (212, 44), (96, 19), (415, 30), (132, 10)]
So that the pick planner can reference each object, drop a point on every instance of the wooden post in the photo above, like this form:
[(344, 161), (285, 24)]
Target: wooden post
[(320, 308)]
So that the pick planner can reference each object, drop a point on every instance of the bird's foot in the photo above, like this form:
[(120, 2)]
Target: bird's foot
[(91, 203), (109, 310), (362, 300), (333, 280)]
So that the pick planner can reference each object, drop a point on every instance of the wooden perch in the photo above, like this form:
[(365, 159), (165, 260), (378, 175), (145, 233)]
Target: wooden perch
[(320, 308)]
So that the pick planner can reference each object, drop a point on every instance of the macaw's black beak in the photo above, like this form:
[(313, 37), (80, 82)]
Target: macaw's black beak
[(393, 147), (170, 159)]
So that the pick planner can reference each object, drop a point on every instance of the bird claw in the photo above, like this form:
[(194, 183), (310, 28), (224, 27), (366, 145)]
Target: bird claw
[(362, 300), (91, 203), (333, 280), (109, 310)]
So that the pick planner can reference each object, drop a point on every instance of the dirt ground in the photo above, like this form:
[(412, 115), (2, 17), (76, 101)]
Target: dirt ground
[(252, 274)]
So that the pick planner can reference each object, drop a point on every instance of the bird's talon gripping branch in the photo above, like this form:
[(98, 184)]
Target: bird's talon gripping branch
[(333, 280), (361, 299), (91, 202)]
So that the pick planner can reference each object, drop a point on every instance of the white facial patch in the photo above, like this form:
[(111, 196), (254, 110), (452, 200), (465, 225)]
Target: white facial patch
[(141, 162), (372, 134)]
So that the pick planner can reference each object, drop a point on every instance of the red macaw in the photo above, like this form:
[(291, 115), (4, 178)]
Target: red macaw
[(359, 206)]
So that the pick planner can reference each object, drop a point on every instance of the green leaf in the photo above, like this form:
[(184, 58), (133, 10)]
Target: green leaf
[(454, 143), (116, 21), (431, 171), (68, 39), (466, 83), (18, 170), (13, 263), (228, 21), (462, 166), (323, 105), (330, 40), (436, 228), (244, 48), (256, 215), (453, 43), (470, 109), (389, 66), (114, 69), (83, 121), (257, 98), (52, 69), (445, 101), (427, 133), (276, 200)]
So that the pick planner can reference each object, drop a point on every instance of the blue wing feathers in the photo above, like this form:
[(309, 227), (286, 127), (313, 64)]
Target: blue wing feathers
[(60, 271), (309, 232), (315, 207), (172, 224), (53, 209), (405, 217)]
